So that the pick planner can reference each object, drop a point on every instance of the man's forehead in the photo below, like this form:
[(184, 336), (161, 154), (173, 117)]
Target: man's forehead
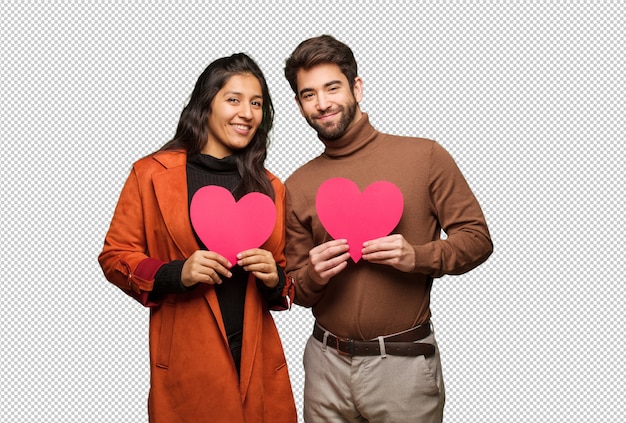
[(320, 76)]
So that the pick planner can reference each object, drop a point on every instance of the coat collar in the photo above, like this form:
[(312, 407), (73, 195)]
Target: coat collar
[(170, 188)]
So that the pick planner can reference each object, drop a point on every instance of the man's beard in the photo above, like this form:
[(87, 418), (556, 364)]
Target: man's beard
[(334, 131)]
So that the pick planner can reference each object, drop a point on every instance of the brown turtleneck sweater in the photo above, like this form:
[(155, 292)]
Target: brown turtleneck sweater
[(369, 300)]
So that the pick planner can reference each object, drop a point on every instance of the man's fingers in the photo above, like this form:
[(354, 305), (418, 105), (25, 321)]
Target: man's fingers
[(329, 267), (328, 250)]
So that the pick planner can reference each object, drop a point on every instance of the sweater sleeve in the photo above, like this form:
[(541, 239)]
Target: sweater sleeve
[(468, 242), (273, 296), (167, 280)]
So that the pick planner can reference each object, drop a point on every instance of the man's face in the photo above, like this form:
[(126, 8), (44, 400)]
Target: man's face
[(326, 100)]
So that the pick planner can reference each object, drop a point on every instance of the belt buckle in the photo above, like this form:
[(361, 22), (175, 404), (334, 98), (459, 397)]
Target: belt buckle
[(347, 341)]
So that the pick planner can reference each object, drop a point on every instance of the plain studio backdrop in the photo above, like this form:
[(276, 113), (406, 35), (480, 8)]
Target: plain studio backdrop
[(528, 97)]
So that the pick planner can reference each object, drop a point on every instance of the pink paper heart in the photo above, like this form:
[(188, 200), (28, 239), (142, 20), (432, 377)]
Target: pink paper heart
[(347, 213), (229, 227)]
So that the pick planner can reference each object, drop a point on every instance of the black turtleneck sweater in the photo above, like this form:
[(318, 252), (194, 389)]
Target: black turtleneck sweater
[(203, 170)]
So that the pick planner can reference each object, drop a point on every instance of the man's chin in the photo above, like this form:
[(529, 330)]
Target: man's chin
[(328, 131), (328, 135)]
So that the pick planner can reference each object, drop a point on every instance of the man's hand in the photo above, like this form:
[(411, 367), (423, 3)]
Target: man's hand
[(328, 259), (392, 250)]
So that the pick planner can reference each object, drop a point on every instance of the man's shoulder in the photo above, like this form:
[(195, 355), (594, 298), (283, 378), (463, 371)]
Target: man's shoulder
[(393, 146), (411, 141), (303, 173)]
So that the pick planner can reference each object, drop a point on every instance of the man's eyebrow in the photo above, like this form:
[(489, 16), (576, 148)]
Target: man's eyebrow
[(326, 85), (304, 90)]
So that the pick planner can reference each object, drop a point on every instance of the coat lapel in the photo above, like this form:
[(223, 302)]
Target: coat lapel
[(252, 321), (170, 187)]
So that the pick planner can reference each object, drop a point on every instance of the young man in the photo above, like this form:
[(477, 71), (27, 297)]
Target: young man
[(372, 356)]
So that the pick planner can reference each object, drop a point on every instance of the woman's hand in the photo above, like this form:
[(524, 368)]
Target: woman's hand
[(261, 264), (205, 267)]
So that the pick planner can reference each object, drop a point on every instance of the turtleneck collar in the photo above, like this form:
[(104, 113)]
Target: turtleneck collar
[(354, 139), (204, 161)]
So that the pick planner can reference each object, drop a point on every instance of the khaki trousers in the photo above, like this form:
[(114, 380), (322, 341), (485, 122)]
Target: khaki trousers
[(394, 389)]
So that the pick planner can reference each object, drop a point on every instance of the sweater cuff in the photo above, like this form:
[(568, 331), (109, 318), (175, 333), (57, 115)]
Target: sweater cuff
[(274, 295), (167, 279)]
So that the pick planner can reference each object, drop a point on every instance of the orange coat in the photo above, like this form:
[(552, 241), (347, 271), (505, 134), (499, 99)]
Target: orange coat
[(193, 376)]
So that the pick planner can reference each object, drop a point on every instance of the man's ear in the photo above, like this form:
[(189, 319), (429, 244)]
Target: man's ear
[(357, 89)]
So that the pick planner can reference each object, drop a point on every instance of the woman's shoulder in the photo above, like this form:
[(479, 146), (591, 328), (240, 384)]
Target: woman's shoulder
[(162, 159), (273, 178), (279, 187)]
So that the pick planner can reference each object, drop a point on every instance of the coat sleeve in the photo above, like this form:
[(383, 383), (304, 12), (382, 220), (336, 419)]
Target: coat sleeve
[(276, 244), (124, 258)]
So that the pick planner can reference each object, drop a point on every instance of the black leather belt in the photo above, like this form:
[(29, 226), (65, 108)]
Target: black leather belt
[(399, 344)]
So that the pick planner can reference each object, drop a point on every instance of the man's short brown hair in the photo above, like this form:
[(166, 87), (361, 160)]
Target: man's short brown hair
[(320, 50)]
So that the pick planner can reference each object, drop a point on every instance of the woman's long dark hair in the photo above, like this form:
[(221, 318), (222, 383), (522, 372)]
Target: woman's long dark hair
[(193, 126)]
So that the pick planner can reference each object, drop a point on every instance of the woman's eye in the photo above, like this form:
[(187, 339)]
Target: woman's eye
[(257, 104)]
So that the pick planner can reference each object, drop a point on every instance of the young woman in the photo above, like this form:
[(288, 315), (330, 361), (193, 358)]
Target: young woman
[(215, 353)]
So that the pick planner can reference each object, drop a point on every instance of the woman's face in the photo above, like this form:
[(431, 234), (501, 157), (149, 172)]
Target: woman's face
[(236, 113)]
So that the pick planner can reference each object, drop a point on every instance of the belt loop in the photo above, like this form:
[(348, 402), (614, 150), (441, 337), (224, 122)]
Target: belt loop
[(325, 341), (383, 351)]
